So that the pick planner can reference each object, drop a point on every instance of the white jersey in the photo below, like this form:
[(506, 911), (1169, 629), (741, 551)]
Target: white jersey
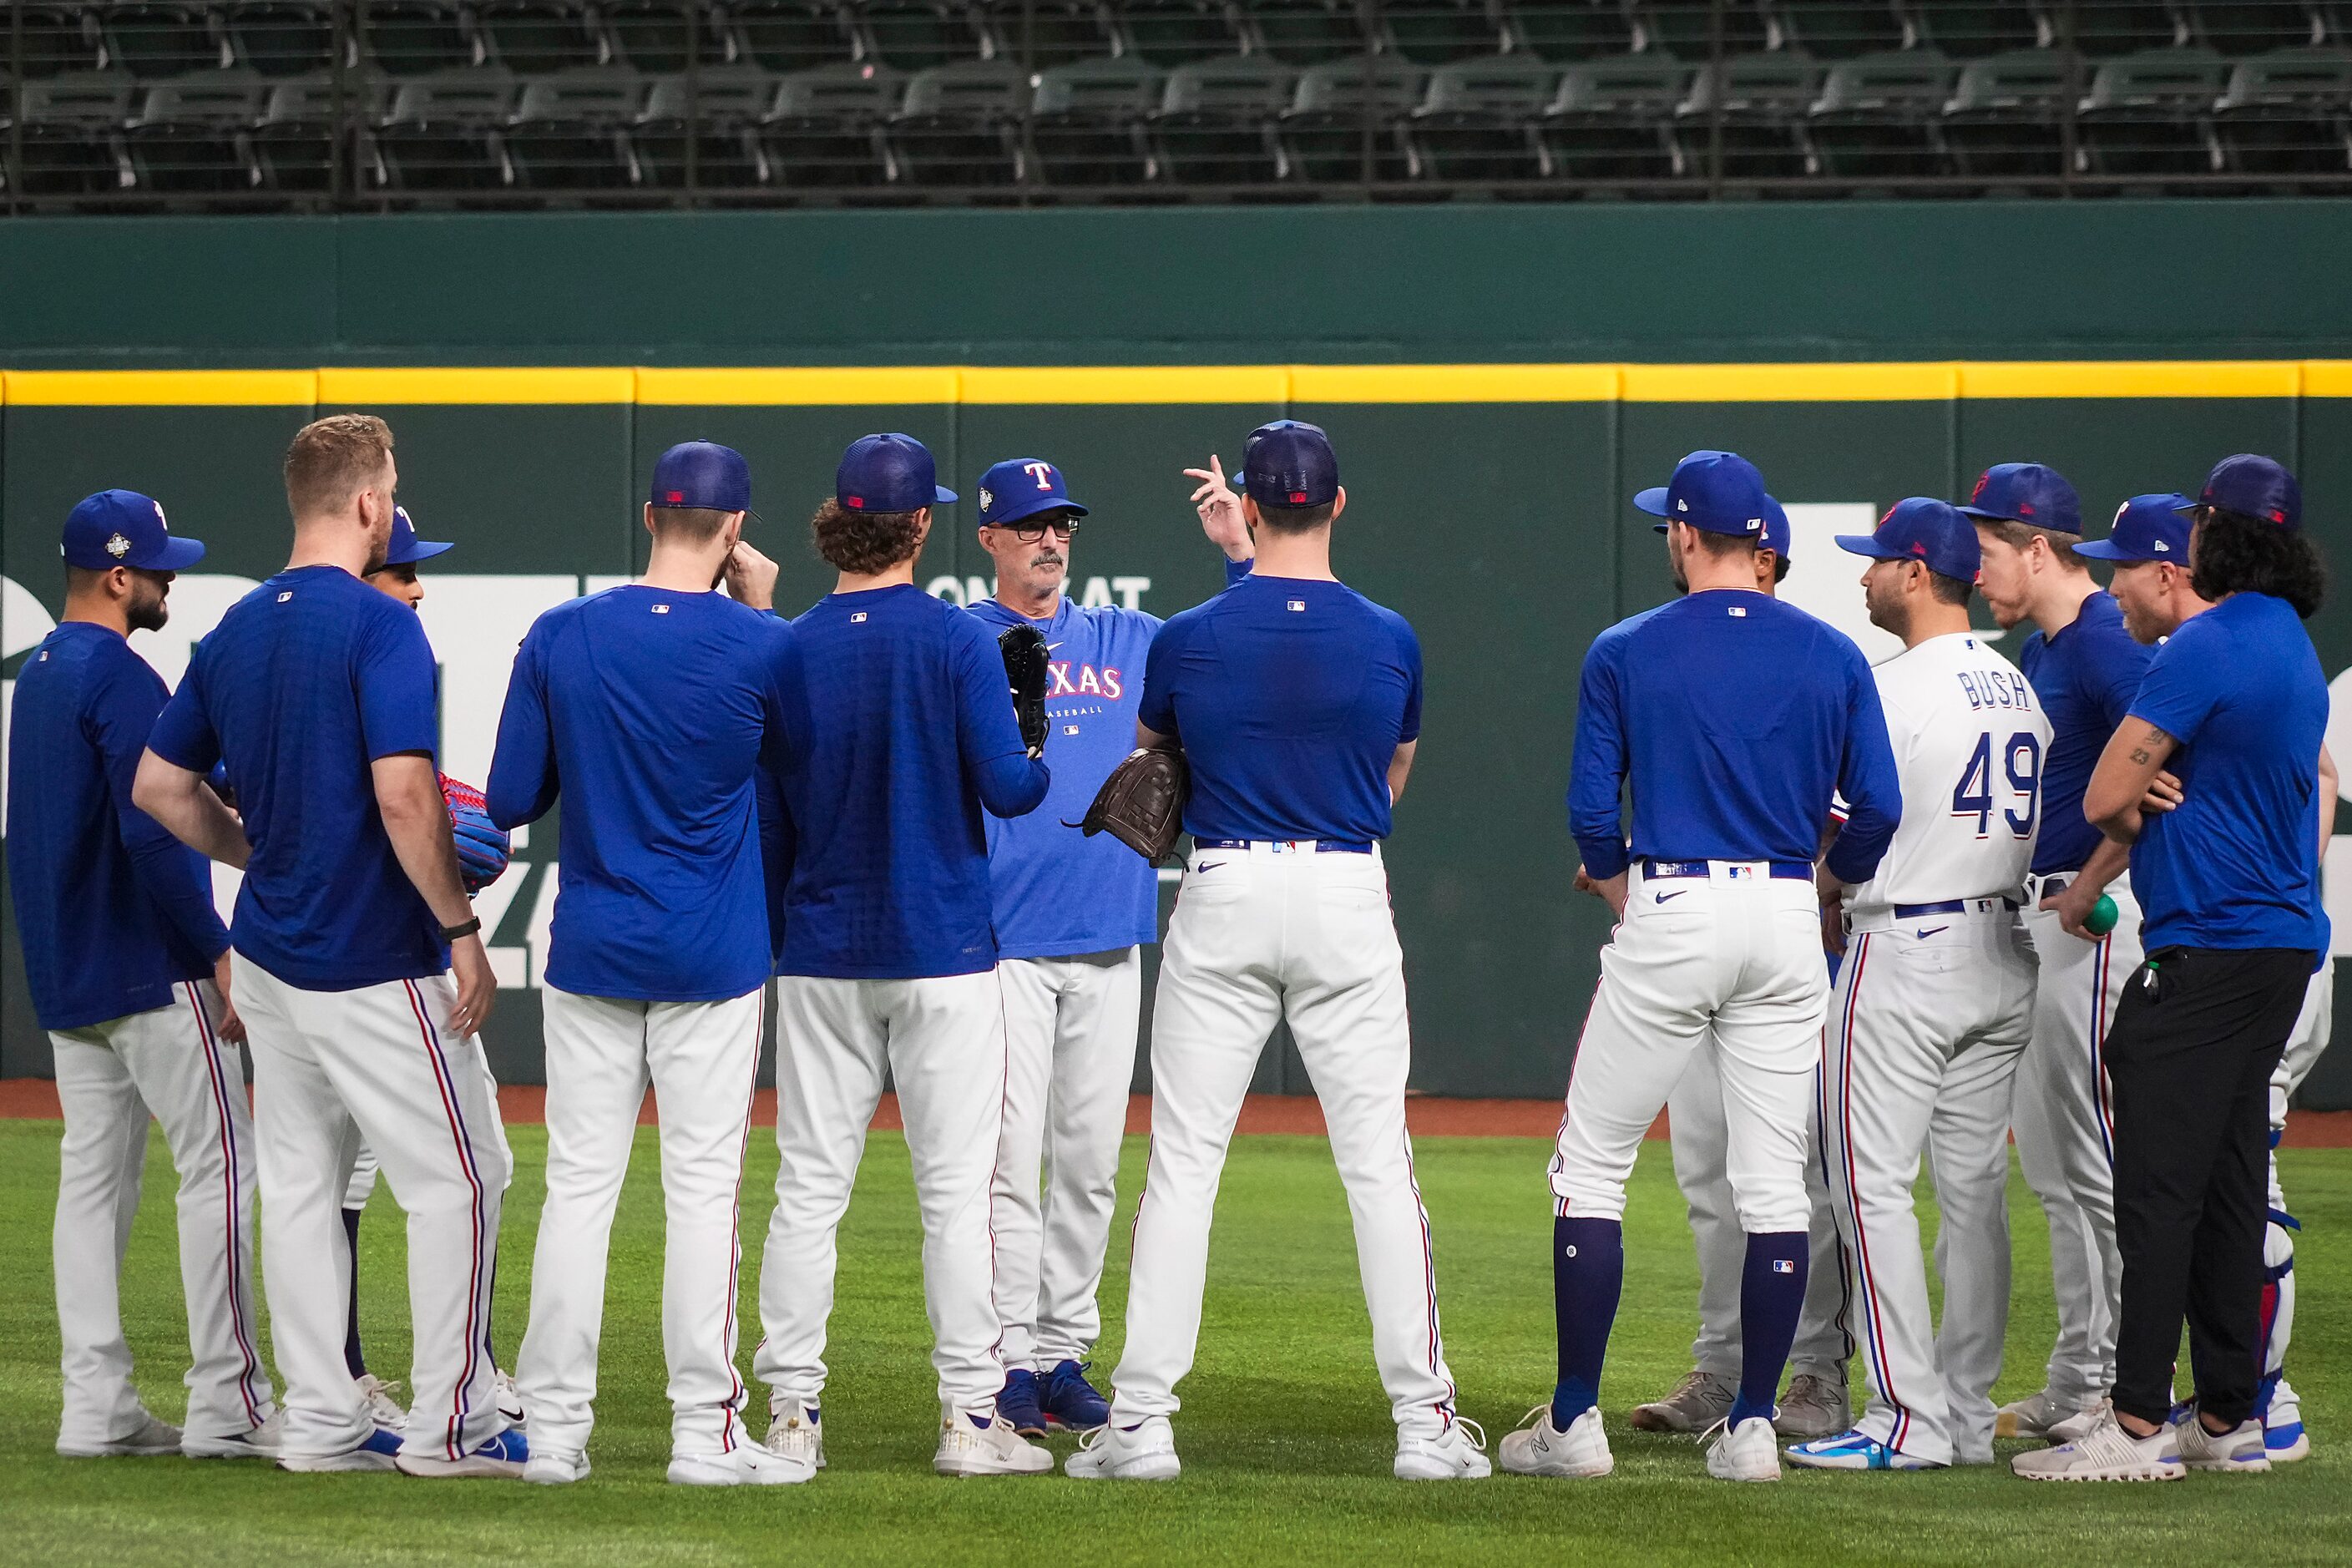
[(1968, 739)]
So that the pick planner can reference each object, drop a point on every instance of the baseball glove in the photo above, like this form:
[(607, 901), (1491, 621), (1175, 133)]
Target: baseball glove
[(482, 845), (1024, 670), (1141, 805)]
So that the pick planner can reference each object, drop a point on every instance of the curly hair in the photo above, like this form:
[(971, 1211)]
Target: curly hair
[(863, 544), (2234, 553)]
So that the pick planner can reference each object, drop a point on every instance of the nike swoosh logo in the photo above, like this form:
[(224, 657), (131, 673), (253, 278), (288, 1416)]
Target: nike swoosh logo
[(1930, 931), (1208, 866), (1663, 897), (1052, 646)]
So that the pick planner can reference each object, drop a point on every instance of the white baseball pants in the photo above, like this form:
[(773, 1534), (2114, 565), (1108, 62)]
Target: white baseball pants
[(941, 1041), (378, 1062), (1070, 1026), (1267, 933), (365, 1170), (2065, 1136), (703, 1060), (2313, 1030), (110, 1075), (1928, 1023), (1737, 952)]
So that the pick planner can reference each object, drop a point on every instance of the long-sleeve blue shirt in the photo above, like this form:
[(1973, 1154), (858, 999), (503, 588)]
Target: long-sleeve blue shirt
[(114, 910), (2085, 677), (1733, 717)]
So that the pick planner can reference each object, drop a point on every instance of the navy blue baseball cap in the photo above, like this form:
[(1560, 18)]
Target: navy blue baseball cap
[(406, 549), (1773, 536), (123, 528), (1719, 491), (1922, 529), (702, 475), (889, 472), (1290, 463), (1022, 487), (2030, 493), (2255, 486), (2147, 528)]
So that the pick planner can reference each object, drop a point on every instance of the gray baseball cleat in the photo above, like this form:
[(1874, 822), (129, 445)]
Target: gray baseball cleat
[(1813, 1408), (1697, 1402)]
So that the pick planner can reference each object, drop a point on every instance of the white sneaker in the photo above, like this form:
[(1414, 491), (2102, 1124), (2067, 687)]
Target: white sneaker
[(797, 1442), (1541, 1448), (555, 1468), (376, 1397), (508, 1396), (1697, 1404), (968, 1448), (1456, 1454), (2031, 1417), (1143, 1452), (2238, 1452), (2282, 1430), (2077, 1427), (2105, 1453), (253, 1443), (148, 1438), (743, 1466), (1813, 1408), (1748, 1451)]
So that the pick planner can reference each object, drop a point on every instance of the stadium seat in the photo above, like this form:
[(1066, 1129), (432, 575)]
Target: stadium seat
[(56, 38), (570, 130), (1843, 29), (1565, 30), (1085, 124), (826, 130), (1434, 32), (533, 37), (787, 36), (1686, 28), (1042, 34), (2288, 112), (294, 145), (1969, 29), (1305, 32), (1877, 118), (650, 35), (1322, 133), (1612, 118), (281, 39), (1215, 124), (442, 131), (916, 34), (189, 138), (154, 41), (412, 38), (1171, 32), (2151, 113), (72, 134), (2254, 27), (961, 126), (2104, 28), (2003, 118), (724, 108), (1764, 100), (1477, 121)]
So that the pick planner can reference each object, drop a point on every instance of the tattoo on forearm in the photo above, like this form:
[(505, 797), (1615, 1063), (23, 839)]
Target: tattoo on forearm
[(2155, 736), (2139, 754)]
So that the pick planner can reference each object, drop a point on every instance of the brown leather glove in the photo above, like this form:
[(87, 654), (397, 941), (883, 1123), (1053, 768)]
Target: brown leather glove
[(1141, 805)]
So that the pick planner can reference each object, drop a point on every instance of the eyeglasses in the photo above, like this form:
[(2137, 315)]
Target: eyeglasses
[(1031, 532)]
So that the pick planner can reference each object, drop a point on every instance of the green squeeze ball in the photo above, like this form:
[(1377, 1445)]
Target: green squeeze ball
[(2102, 917)]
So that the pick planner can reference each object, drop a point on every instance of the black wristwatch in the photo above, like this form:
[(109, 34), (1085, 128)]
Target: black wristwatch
[(451, 933)]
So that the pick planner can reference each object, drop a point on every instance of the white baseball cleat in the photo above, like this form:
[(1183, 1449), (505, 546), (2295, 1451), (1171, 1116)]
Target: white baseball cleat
[(969, 1446), (1456, 1454), (1541, 1448), (1813, 1408), (555, 1468), (1748, 1451), (376, 1398), (2282, 1429), (743, 1466), (253, 1443), (1143, 1452), (797, 1442), (1702, 1399), (148, 1439), (2236, 1452), (509, 1398), (2105, 1453), (2077, 1427)]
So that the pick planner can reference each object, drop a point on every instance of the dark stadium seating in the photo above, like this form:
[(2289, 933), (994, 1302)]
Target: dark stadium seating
[(2151, 114), (651, 36), (1304, 32), (280, 39), (826, 130), (1758, 104), (784, 36), (1877, 117), (1844, 29), (960, 127), (304, 120), (1966, 28), (1613, 119), (441, 134), (2003, 118), (531, 37), (1477, 121), (2288, 112), (1086, 125), (1215, 123), (189, 136), (151, 41), (72, 134), (1041, 34), (570, 130), (719, 114), (1171, 32), (410, 38), (1563, 31), (1323, 136), (916, 34), (1687, 29), (1434, 32)]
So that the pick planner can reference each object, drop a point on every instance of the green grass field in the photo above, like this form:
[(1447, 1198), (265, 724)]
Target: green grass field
[(1285, 1435)]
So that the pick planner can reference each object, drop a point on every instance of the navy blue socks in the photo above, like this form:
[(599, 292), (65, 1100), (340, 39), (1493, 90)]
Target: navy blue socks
[(1587, 1272), (1772, 1295)]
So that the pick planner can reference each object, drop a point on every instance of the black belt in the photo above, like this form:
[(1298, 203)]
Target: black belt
[(1948, 907), (1782, 871), (1322, 845)]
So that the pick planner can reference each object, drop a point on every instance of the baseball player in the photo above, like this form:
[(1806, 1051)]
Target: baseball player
[(646, 709), (359, 967), (2149, 545), (1931, 1008), (1814, 1403), (1073, 915), (1717, 945), (481, 857), (1297, 704), (2084, 666), (889, 954), (127, 965)]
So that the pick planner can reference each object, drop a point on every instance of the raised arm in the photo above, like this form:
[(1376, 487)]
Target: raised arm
[(996, 764)]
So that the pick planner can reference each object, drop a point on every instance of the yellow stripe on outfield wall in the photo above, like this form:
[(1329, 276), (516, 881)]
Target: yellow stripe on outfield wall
[(1453, 382), (2327, 378), (352, 386), (725, 386), (163, 388), (1790, 382), (1266, 384), (2135, 378)]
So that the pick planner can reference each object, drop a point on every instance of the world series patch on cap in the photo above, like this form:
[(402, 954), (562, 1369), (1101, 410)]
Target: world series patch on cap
[(123, 528), (1022, 487)]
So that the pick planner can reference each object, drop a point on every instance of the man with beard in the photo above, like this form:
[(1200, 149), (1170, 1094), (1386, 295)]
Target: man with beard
[(128, 966)]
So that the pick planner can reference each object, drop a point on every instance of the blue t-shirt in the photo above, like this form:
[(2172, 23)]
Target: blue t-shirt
[(1290, 696), (1056, 891), (2084, 677), (2236, 864), (911, 733), (307, 681), (1733, 717), (113, 911), (651, 713)]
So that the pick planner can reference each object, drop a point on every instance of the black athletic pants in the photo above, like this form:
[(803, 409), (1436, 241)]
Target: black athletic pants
[(2189, 1061)]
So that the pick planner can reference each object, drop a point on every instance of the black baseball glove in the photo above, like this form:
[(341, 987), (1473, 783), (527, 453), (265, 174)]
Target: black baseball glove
[(1141, 805), (1024, 670)]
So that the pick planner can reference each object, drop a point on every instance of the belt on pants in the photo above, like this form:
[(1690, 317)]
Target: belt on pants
[(1887, 916), (2041, 885), (1781, 870), (1286, 845)]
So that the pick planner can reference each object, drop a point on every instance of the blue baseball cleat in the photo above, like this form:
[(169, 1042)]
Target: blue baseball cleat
[(379, 1451), (1071, 1402), (1017, 1403), (1855, 1450), (503, 1457)]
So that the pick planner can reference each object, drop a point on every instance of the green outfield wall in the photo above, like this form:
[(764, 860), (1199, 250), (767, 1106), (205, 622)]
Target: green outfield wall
[(1497, 381)]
